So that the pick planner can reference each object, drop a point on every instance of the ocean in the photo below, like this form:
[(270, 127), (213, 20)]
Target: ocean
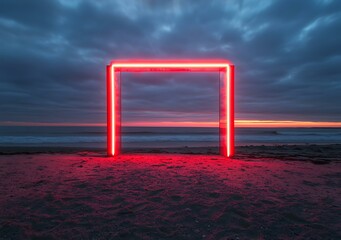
[(158, 137)]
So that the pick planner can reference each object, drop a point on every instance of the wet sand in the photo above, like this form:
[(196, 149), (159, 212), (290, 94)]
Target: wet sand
[(264, 193)]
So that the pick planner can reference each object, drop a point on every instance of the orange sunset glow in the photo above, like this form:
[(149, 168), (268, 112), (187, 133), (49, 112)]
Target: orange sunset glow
[(238, 123)]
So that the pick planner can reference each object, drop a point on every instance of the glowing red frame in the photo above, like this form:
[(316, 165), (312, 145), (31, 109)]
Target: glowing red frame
[(226, 109)]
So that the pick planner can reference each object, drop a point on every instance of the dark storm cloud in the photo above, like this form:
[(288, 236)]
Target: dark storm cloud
[(53, 56)]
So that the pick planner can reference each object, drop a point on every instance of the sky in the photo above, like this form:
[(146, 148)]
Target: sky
[(287, 56)]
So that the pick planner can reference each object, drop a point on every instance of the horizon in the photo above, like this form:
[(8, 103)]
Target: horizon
[(238, 124)]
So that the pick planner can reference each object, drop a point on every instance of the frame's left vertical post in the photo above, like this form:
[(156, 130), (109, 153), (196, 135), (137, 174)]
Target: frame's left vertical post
[(110, 150), (113, 112), (117, 112)]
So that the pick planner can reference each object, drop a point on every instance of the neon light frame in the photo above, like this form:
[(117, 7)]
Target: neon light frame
[(226, 96)]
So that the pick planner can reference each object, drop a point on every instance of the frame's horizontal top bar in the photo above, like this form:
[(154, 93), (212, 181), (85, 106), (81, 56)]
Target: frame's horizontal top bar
[(169, 65)]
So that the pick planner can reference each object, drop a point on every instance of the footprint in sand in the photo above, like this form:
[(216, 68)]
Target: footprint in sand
[(159, 165), (107, 178), (82, 185), (311, 184), (293, 217), (155, 192), (214, 195), (40, 168), (155, 199), (36, 184), (176, 198), (71, 180), (236, 197), (118, 200), (40, 183)]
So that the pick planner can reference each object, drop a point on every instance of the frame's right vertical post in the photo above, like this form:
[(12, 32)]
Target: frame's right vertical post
[(118, 112), (231, 124), (226, 109)]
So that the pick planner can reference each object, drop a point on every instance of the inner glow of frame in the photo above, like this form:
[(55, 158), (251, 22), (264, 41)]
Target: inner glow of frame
[(226, 104)]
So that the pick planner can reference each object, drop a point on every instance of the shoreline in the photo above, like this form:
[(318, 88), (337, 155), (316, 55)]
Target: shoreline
[(317, 153)]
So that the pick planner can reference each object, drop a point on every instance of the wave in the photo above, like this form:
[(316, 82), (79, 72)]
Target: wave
[(45, 139), (21, 136)]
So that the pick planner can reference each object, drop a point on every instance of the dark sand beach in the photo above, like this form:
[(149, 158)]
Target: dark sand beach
[(265, 192)]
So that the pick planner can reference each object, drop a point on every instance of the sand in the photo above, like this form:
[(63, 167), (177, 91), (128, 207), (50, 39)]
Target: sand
[(258, 195)]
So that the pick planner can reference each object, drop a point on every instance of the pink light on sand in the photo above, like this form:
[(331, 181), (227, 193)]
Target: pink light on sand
[(226, 119)]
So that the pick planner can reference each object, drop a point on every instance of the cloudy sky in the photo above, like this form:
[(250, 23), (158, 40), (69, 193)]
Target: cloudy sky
[(53, 56)]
